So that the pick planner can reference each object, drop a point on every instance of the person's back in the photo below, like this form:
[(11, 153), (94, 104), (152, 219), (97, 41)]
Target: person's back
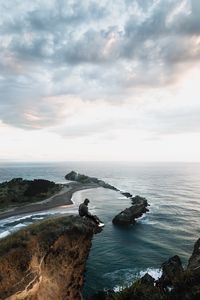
[(83, 210)]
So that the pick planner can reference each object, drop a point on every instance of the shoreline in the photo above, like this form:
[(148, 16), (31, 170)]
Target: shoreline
[(63, 197)]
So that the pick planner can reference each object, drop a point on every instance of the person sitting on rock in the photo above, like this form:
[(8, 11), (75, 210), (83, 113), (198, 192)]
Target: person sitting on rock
[(83, 212)]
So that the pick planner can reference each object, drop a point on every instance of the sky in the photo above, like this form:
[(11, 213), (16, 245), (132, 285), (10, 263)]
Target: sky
[(100, 80)]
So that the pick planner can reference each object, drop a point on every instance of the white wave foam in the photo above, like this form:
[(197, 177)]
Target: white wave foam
[(155, 273), (20, 225), (4, 234), (38, 218), (126, 277), (145, 220)]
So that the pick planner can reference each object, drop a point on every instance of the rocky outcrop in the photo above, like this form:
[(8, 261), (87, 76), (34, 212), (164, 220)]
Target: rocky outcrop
[(126, 194), (18, 191), (46, 261), (194, 261), (75, 176), (176, 283), (172, 273), (128, 216)]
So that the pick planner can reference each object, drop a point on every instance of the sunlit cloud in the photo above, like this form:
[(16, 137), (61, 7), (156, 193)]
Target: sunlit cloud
[(97, 72)]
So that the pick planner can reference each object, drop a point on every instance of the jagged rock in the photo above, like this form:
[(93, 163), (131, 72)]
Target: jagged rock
[(174, 284), (74, 176), (172, 272), (46, 260), (128, 216), (194, 261), (126, 194), (138, 199), (147, 279)]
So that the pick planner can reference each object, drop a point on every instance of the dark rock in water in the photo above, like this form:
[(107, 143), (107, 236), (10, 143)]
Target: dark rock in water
[(194, 261), (172, 272), (74, 176), (126, 194), (138, 199), (128, 216)]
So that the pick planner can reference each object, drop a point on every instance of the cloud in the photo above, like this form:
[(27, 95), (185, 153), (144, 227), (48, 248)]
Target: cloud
[(106, 50)]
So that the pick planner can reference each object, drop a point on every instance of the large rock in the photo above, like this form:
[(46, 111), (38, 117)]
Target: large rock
[(172, 273), (194, 261), (128, 216), (75, 176), (46, 261)]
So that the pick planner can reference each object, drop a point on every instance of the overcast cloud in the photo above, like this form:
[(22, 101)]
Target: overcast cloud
[(58, 55)]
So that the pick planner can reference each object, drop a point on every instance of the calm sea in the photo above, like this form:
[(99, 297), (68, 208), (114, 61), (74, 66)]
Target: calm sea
[(119, 256)]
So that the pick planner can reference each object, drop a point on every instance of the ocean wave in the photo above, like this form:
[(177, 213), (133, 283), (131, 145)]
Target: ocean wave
[(145, 220), (155, 273), (19, 225), (125, 277), (4, 234)]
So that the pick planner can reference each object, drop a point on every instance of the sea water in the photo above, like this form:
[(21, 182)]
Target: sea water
[(120, 255)]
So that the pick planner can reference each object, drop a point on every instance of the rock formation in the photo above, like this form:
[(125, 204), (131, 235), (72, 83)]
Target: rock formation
[(46, 261), (174, 284), (126, 194), (128, 216), (74, 176)]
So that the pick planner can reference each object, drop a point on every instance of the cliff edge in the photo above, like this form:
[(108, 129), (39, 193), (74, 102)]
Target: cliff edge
[(46, 260)]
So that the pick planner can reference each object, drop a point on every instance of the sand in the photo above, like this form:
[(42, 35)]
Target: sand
[(62, 198)]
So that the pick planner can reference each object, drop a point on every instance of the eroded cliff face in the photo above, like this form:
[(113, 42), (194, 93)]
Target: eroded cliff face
[(46, 261)]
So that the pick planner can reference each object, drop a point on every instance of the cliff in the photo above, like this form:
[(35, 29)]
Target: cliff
[(46, 260)]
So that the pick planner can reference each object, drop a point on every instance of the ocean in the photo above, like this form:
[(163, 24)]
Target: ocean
[(120, 255)]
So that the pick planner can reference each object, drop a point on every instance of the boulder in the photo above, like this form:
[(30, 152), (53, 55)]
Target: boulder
[(172, 273)]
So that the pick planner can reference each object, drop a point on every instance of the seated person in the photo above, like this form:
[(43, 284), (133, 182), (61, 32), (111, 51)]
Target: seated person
[(83, 212)]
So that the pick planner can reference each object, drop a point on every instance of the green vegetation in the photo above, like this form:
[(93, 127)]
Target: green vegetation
[(17, 191)]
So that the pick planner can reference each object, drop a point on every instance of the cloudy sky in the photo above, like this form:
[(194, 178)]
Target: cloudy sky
[(100, 80)]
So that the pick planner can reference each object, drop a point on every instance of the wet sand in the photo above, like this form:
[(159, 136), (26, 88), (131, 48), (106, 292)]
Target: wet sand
[(62, 198)]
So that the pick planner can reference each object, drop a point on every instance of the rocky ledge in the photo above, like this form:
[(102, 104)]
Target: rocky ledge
[(176, 283), (46, 260), (129, 215), (75, 176)]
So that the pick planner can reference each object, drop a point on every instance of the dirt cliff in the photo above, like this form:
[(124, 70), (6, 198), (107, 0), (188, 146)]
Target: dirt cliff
[(46, 261)]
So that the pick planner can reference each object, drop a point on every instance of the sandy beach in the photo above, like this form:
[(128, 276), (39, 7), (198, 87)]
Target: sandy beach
[(62, 198)]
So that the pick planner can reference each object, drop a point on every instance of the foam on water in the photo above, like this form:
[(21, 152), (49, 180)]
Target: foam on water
[(129, 276), (4, 234)]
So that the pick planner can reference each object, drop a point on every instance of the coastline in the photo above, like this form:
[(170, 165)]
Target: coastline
[(62, 198)]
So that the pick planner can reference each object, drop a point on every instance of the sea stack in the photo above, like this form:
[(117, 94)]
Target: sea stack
[(128, 216)]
